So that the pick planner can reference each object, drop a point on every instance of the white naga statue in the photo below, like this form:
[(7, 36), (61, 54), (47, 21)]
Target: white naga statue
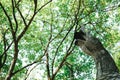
[(105, 65)]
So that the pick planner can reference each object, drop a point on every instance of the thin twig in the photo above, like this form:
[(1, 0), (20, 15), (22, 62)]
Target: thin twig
[(4, 53), (43, 6), (14, 16), (30, 71), (24, 67), (10, 22), (21, 16)]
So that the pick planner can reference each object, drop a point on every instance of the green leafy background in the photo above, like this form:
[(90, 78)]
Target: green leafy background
[(99, 17)]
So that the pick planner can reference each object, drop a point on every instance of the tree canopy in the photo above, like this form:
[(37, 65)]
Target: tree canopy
[(36, 37)]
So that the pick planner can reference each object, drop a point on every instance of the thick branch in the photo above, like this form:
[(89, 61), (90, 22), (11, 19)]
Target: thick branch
[(12, 66)]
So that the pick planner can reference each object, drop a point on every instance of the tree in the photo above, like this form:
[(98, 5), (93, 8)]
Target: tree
[(37, 37)]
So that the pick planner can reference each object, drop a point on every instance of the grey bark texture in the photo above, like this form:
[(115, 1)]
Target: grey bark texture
[(105, 65)]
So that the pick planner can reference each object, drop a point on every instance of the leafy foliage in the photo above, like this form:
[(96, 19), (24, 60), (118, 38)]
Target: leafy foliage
[(48, 38)]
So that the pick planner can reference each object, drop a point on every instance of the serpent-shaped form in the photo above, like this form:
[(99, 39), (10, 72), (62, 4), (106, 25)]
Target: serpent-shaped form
[(105, 65)]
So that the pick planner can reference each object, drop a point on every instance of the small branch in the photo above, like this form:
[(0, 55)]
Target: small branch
[(47, 66), (47, 55), (61, 64), (59, 32), (58, 49), (43, 6), (58, 46), (23, 68), (14, 16), (7, 48), (10, 22), (71, 70), (18, 2), (21, 16), (35, 5), (25, 29), (30, 71), (4, 55), (76, 15)]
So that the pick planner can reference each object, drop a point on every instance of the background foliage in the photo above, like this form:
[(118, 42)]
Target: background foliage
[(43, 36)]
